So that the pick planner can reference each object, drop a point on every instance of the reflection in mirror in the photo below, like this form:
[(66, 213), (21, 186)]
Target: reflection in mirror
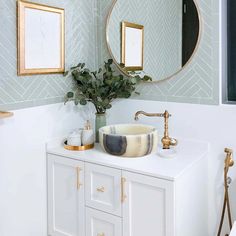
[(171, 30), (132, 46)]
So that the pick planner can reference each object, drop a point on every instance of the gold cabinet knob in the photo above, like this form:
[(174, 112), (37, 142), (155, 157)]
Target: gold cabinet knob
[(101, 190), (102, 234)]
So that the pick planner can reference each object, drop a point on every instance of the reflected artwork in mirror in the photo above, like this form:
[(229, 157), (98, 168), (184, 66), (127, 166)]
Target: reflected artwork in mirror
[(132, 46), (157, 38)]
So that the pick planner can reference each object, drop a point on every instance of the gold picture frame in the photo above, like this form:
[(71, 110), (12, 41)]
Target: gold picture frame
[(139, 47), (40, 22)]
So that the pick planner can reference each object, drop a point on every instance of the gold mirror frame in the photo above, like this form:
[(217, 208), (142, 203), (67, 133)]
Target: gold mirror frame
[(169, 77), (21, 70)]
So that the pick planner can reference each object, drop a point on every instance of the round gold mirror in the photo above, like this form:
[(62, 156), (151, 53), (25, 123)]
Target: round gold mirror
[(157, 38)]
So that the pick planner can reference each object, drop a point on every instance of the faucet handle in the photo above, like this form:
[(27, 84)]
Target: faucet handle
[(167, 142), (173, 142)]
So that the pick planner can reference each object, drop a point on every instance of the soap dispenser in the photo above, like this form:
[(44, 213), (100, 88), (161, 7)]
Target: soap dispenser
[(87, 135)]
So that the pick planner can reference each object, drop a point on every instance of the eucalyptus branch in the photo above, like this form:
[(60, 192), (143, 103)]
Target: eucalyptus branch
[(94, 74), (100, 87)]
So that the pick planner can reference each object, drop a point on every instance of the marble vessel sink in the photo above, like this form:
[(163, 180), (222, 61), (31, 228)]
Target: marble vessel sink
[(128, 140)]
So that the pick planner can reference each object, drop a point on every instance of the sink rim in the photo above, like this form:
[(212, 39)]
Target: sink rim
[(152, 130)]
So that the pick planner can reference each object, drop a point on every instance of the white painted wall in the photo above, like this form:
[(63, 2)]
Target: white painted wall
[(214, 124), (23, 165)]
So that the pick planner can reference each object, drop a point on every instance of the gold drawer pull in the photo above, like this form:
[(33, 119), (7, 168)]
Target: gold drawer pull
[(78, 177), (102, 234), (123, 196), (101, 190)]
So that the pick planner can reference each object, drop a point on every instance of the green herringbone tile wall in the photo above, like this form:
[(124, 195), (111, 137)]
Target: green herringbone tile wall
[(162, 22), (199, 81), (18, 92), (85, 41)]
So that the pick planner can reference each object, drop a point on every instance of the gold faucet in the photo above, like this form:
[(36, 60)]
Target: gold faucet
[(166, 140)]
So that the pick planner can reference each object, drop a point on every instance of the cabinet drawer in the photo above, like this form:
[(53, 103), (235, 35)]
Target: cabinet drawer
[(103, 188), (102, 224)]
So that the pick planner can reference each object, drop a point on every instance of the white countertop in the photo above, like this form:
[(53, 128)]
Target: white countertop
[(188, 153)]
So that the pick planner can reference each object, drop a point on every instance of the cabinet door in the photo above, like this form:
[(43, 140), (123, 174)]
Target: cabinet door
[(148, 207), (66, 208), (99, 223), (103, 188)]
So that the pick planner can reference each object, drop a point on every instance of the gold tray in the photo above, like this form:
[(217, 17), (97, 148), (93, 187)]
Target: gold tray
[(78, 148)]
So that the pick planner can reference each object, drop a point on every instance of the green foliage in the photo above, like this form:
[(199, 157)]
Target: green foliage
[(100, 87)]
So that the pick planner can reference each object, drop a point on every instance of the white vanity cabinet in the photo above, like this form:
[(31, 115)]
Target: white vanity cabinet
[(148, 207), (65, 197), (95, 194)]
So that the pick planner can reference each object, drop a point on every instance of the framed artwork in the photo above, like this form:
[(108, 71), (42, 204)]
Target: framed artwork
[(41, 39), (132, 46)]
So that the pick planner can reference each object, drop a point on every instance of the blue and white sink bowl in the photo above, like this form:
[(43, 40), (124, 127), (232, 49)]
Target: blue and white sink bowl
[(129, 140)]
